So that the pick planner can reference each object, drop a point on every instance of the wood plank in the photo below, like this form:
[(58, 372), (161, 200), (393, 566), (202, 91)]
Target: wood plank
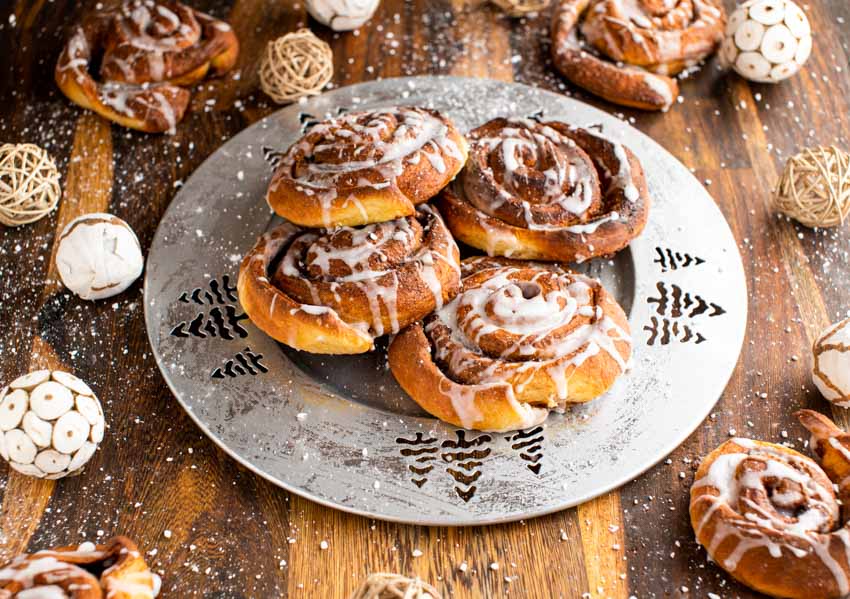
[(185, 485), (602, 537)]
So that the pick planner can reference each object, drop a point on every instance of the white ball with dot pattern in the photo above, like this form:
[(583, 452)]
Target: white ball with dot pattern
[(51, 423), (767, 40), (831, 363)]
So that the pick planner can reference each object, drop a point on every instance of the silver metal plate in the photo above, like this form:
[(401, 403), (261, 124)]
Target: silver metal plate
[(340, 431)]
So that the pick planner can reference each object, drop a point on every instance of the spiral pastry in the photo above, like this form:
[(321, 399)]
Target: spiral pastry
[(149, 50), (115, 570), (768, 515), (334, 292), (520, 339), (366, 167), (631, 49), (546, 191)]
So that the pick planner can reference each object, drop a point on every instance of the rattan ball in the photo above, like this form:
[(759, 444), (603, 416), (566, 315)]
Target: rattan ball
[(296, 65), (815, 187), (29, 184), (382, 585), (519, 8)]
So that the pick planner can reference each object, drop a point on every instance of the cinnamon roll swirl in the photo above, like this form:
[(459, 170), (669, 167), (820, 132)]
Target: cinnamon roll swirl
[(769, 516), (631, 49), (334, 292), (149, 51), (366, 167), (115, 570), (546, 191), (519, 340)]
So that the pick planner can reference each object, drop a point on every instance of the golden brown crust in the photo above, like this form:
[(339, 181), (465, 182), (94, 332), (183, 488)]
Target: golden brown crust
[(610, 222), (146, 59), (366, 167), (505, 379), (115, 570), (643, 51), (334, 292), (768, 516), (413, 367)]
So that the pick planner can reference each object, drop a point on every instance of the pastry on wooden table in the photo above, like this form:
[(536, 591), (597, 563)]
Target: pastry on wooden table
[(546, 191), (148, 52), (334, 292), (519, 340), (628, 51), (770, 516), (115, 570), (366, 167)]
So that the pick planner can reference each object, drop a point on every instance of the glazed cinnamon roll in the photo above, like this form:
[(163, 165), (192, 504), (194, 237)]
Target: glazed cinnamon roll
[(115, 570), (519, 340), (366, 167), (546, 191), (334, 292), (149, 51), (769, 516), (627, 51)]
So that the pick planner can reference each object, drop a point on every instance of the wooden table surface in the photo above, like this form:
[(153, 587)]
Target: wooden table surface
[(230, 531)]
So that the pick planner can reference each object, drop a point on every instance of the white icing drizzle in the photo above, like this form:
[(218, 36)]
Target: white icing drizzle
[(660, 37), (23, 571), (384, 143), (567, 184), (148, 32), (659, 87), (800, 517), (569, 180), (379, 287), (463, 397), (537, 314), (622, 179)]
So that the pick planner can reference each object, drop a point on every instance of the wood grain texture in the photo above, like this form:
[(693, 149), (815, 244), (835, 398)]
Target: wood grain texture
[(231, 534)]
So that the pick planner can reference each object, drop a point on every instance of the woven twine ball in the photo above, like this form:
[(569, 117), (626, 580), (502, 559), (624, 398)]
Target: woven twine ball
[(296, 65), (29, 184), (518, 8), (382, 585), (815, 187)]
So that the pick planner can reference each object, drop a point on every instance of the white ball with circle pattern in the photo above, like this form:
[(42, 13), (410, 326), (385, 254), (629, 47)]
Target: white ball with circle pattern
[(51, 423), (98, 256), (342, 15), (767, 41), (831, 363)]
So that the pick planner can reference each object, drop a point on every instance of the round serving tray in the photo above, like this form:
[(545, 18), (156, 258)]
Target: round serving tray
[(341, 432)]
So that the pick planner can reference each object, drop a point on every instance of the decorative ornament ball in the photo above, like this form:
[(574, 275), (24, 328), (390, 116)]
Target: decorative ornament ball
[(382, 585), (831, 369), (814, 188), (51, 423), (295, 65), (98, 256), (520, 8), (342, 15), (29, 184), (767, 40)]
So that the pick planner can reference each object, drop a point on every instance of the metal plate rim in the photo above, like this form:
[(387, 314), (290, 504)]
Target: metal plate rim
[(675, 441)]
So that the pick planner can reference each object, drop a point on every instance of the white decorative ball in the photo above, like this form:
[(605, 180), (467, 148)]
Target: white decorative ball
[(50, 424), (831, 368), (342, 15), (767, 40), (98, 256)]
